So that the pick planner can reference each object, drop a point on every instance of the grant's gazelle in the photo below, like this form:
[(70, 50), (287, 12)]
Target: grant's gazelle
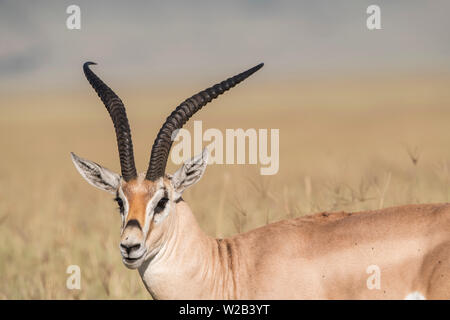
[(404, 250)]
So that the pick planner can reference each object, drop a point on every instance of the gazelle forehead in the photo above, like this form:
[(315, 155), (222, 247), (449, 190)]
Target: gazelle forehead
[(140, 187)]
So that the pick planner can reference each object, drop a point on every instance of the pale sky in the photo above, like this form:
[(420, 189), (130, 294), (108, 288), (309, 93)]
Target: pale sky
[(158, 41)]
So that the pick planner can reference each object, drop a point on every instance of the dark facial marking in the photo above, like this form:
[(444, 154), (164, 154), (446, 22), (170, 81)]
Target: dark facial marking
[(135, 223), (119, 203), (179, 199), (162, 202)]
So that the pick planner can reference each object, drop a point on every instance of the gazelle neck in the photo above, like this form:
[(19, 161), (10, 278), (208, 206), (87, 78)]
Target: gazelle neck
[(190, 264)]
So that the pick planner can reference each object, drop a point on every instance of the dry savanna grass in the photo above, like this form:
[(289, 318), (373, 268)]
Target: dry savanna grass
[(362, 143)]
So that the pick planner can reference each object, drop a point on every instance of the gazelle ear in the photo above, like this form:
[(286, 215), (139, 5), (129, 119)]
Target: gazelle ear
[(190, 172), (96, 175)]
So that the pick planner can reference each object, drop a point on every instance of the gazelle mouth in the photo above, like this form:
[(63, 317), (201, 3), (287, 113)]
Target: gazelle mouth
[(132, 259), (133, 262)]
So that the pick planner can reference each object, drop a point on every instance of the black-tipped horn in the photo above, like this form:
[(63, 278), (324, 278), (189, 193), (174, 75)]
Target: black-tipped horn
[(176, 120), (118, 116)]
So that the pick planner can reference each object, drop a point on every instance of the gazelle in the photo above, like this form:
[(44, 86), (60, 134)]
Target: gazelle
[(322, 256)]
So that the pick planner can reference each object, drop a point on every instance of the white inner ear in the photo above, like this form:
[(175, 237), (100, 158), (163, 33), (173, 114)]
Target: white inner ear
[(189, 173), (96, 175)]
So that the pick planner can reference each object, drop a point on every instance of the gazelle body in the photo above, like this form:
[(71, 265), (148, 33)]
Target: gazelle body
[(323, 256)]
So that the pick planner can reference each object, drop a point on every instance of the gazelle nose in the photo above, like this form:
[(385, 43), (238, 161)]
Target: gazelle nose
[(129, 247)]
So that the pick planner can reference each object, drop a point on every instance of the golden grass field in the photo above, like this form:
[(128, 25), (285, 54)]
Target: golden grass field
[(355, 144)]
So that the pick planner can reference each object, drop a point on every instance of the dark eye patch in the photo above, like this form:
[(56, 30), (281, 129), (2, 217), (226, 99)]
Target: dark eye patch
[(162, 203), (120, 203)]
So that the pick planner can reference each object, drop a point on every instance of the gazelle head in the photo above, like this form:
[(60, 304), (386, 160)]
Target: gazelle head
[(147, 200)]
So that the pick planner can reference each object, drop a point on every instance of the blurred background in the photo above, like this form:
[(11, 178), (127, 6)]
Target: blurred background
[(363, 117)]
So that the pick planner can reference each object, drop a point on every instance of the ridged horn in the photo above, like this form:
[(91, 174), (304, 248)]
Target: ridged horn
[(119, 118), (182, 113)]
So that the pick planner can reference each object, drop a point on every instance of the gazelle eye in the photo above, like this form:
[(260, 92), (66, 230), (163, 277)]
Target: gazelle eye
[(161, 205), (120, 203)]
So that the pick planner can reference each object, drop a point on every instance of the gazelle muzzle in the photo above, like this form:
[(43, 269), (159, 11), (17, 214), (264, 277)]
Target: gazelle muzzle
[(132, 245)]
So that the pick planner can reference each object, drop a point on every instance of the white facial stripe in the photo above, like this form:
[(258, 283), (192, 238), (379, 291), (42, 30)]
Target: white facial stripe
[(151, 207), (166, 210), (158, 218)]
